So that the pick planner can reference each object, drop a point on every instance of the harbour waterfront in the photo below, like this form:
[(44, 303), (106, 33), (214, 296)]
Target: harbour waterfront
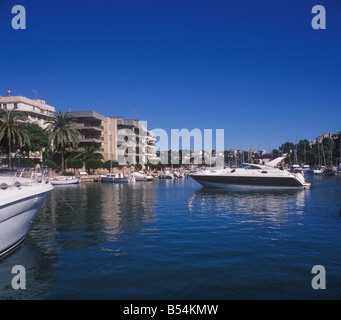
[(172, 239)]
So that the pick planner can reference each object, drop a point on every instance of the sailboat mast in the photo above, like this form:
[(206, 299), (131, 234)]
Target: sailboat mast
[(318, 151), (305, 155), (295, 159)]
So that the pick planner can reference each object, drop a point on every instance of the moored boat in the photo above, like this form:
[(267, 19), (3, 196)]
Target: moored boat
[(166, 175), (63, 180), (141, 176), (114, 177), (250, 176), (20, 200), (330, 171)]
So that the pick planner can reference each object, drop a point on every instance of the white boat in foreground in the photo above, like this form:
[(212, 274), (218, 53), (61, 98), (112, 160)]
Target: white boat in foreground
[(20, 200), (62, 180), (251, 176)]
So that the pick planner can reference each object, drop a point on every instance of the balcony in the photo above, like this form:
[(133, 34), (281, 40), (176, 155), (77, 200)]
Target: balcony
[(125, 132), (151, 147), (126, 123), (126, 143), (91, 140)]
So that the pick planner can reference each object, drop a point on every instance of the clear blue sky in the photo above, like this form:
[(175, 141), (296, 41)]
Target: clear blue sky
[(254, 68)]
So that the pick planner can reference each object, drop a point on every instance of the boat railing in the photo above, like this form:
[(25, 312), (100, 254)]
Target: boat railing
[(24, 177)]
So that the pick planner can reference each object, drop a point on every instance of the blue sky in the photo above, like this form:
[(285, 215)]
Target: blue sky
[(256, 69)]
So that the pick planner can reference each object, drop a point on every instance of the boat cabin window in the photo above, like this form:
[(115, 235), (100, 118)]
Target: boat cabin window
[(249, 166), (254, 167)]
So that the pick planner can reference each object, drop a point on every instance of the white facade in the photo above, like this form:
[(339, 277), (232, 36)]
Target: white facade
[(36, 110), (135, 144)]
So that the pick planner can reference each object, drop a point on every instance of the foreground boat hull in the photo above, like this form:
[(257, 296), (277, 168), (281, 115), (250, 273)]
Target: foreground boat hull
[(16, 217), (247, 183)]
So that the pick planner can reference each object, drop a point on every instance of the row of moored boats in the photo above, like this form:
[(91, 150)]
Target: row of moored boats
[(123, 178), (323, 170), (142, 176)]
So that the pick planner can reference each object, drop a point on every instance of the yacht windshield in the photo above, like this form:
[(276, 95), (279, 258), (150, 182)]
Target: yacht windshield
[(249, 166), (254, 167)]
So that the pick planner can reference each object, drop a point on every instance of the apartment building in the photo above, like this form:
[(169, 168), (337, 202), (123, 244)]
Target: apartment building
[(112, 137), (37, 110), (333, 136), (135, 144), (91, 127), (124, 140)]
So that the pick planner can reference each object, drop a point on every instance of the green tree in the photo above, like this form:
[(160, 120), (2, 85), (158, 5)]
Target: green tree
[(93, 164), (39, 139), (337, 149), (12, 131), (327, 151), (275, 153), (24, 162), (50, 164), (304, 152), (62, 133), (89, 153), (107, 165), (75, 164), (287, 147)]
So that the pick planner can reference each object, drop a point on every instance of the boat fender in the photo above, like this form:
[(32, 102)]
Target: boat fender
[(4, 186), (233, 170), (17, 184)]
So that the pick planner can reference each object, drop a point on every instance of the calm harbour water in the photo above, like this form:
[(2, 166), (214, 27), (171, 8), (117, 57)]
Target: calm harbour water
[(175, 240)]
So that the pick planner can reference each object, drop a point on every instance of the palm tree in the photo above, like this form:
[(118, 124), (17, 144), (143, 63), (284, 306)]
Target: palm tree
[(62, 132), (12, 130), (89, 153)]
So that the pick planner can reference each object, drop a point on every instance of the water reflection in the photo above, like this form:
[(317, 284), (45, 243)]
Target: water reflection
[(127, 206), (174, 239), (39, 267), (253, 202), (93, 211)]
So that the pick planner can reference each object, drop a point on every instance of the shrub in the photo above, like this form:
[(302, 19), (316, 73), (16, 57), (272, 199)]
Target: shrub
[(75, 163), (106, 165), (94, 164), (49, 163), (24, 163)]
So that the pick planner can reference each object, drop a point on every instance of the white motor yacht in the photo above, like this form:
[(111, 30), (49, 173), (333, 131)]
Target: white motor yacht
[(63, 180), (338, 170), (141, 176), (20, 200), (179, 175), (306, 168), (166, 175), (252, 176)]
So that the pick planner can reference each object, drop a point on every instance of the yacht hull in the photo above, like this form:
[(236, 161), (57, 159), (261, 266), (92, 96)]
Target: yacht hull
[(247, 183), (17, 214)]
